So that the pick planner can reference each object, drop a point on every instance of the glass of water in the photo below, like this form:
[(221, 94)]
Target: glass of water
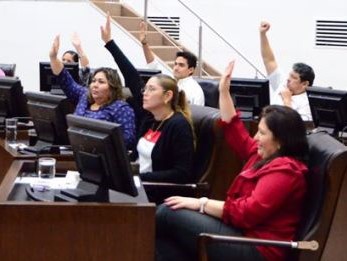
[(11, 130), (46, 168)]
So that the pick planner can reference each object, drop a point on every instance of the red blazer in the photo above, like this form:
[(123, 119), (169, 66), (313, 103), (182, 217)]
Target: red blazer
[(264, 203)]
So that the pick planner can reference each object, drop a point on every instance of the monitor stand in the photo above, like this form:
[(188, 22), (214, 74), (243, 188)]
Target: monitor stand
[(246, 115), (86, 192), (56, 90), (42, 147)]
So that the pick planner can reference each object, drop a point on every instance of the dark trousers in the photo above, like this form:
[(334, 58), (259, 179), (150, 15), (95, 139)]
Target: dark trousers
[(178, 232)]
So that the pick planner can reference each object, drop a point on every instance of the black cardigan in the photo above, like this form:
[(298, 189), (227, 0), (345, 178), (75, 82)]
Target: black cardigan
[(172, 155)]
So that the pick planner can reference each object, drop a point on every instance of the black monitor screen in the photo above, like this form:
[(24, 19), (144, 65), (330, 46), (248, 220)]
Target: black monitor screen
[(250, 96), (12, 100), (48, 113), (145, 74), (328, 108), (100, 154), (48, 81)]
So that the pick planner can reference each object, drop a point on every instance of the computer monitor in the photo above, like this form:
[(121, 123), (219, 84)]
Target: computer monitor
[(145, 74), (101, 158), (328, 108), (250, 96), (13, 102), (48, 114), (48, 81)]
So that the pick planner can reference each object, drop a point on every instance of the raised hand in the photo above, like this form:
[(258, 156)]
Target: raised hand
[(56, 64), (76, 41), (264, 27), (53, 53), (106, 30), (143, 32), (224, 83)]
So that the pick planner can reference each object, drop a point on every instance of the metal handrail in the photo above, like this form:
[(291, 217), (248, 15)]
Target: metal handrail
[(221, 37), (202, 21)]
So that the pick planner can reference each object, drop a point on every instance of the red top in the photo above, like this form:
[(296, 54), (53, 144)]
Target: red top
[(265, 203)]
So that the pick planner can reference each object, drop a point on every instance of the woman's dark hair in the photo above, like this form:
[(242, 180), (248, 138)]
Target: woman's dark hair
[(289, 130), (114, 83), (74, 55)]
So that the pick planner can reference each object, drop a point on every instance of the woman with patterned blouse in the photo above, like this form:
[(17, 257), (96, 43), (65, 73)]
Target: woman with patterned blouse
[(103, 99)]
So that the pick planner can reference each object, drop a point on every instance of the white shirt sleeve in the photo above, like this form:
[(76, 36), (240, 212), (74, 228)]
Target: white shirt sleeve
[(154, 65)]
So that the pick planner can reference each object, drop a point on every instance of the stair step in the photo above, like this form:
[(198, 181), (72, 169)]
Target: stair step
[(131, 23), (166, 53), (115, 8), (165, 49), (153, 38)]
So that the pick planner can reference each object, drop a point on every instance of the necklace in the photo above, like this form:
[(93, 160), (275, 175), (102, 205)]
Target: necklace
[(153, 131)]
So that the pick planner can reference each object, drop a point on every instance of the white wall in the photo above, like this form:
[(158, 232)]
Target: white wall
[(28, 29), (292, 32)]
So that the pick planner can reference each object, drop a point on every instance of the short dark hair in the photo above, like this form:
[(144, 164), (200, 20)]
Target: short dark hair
[(191, 58), (74, 55), (113, 81), (288, 129), (305, 71)]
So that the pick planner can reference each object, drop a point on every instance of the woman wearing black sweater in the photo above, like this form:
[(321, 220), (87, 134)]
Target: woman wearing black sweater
[(165, 139)]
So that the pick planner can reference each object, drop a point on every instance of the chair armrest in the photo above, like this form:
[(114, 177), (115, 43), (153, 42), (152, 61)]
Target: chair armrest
[(193, 189), (206, 238)]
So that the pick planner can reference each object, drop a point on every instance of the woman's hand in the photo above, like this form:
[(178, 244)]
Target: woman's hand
[(106, 30), (76, 41), (143, 32), (226, 104), (53, 53), (224, 83), (177, 202)]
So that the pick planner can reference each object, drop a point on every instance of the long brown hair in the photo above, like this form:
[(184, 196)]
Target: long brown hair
[(114, 83)]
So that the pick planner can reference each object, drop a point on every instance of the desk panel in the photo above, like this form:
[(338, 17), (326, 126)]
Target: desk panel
[(73, 231)]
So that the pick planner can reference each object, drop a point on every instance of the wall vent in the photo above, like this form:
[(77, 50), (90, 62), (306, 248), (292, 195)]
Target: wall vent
[(170, 25), (331, 33)]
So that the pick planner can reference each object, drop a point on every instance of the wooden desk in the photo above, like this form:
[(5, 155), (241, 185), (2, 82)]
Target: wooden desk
[(9, 154), (73, 231)]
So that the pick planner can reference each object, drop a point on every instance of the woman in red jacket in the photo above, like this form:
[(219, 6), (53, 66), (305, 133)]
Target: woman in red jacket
[(264, 201)]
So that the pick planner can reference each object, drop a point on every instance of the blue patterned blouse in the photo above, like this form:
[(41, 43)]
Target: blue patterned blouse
[(119, 111)]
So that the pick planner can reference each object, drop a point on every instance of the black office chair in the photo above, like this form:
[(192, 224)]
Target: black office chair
[(327, 169), (205, 125), (211, 92), (9, 69)]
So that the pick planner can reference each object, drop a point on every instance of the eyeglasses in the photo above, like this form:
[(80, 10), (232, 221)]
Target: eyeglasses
[(150, 89)]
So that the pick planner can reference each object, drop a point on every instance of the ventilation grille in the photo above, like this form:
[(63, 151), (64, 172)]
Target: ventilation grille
[(170, 25), (331, 33)]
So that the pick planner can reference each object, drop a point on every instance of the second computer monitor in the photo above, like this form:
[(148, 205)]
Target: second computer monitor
[(48, 113), (12, 100), (101, 156), (48, 81), (250, 96), (328, 108), (145, 74)]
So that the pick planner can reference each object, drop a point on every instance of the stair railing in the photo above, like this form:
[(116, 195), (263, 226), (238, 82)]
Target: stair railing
[(200, 42)]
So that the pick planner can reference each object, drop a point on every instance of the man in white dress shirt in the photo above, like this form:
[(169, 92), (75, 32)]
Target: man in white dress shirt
[(290, 92), (185, 64)]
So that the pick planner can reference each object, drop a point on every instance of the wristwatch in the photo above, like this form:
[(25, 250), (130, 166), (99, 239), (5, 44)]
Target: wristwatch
[(202, 202)]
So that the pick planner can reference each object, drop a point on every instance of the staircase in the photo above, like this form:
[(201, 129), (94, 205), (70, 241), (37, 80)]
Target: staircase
[(161, 44)]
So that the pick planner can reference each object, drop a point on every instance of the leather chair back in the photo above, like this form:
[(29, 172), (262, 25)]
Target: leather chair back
[(9, 69), (210, 89), (327, 169), (204, 121)]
